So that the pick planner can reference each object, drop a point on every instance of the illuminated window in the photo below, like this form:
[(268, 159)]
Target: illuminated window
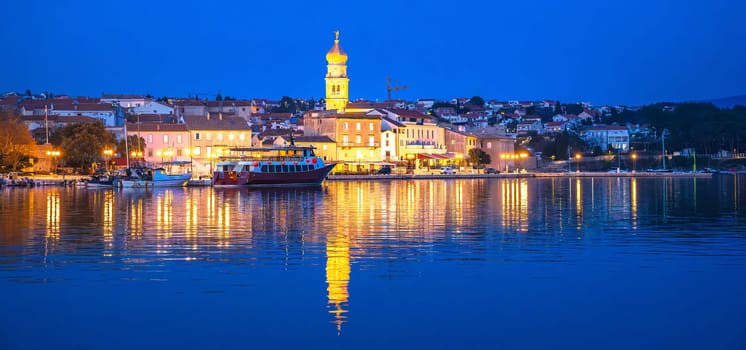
[(358, 139), (371, 140), (220, 136), (150, 138), (165, 139), (178, 139), (345, 126), (231, 136), (357, 126), (370, 126), (197, 151)]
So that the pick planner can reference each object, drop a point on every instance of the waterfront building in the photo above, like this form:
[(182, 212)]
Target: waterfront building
[(200, 139), (211, 135), (163, 142), (419, 138), (501, 149), (607, 137), (390, 131), (499, 145), (459, 142)]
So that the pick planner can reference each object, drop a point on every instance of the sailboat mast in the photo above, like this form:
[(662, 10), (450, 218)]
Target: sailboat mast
[(126, 145)]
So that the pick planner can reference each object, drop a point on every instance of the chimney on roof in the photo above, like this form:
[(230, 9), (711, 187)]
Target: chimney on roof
[(220, 116), (208, 115), (158, 126)]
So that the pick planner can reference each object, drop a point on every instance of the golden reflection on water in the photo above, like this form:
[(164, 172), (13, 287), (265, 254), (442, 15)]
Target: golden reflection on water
[(633, 201), (514, 204), (224, 225), (135, 224), (338, 276), (53, 214), (108, 217), (191, 217), (579, 202), (164, 214)]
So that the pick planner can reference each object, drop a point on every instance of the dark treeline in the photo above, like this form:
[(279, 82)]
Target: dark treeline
[(701, 126)]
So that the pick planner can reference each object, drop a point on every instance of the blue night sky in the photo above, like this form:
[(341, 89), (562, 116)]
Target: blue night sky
[(625, 52)]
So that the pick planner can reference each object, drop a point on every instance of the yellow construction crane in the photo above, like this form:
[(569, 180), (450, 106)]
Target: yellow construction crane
[(390, 88)]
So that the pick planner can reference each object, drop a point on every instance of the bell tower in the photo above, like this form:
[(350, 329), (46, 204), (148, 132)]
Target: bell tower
[(337, 82)]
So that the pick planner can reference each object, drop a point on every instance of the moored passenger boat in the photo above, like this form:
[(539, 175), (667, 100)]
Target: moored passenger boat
[(271, 166)]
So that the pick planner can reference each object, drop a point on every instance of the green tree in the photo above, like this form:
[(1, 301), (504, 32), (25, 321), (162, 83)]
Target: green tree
[(287, 105), (16, 145), (477, 101), (564, 144), (478, 157), (574, 108), (132, 143), (83, 144)]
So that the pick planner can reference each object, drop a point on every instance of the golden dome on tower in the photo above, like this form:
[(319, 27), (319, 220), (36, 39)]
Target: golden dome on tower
[(336, 55)]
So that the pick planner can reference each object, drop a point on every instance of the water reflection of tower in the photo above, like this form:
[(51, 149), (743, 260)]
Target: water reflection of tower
[(338, 275)]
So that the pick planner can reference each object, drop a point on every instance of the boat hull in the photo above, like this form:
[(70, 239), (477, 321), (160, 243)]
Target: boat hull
[(303, 178), (230, 179), (92, 184), (165, 181)]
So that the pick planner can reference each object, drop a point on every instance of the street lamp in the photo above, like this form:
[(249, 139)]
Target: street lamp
[(108, 153), (54, 154), (577, 162), (634, 162)]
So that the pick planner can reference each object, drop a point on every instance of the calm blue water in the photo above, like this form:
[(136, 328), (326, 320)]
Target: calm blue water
[(485, 263)]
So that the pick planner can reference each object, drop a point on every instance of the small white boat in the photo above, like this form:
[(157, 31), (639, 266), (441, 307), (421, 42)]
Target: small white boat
[(149, 178)]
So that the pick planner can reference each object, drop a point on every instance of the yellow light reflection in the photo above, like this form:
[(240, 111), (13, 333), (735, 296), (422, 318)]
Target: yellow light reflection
[(224, 225), (192, 222), (633, 202), (135, 219), (164, 214), (579, 202), (108, 218), (515, 204), (338, 276), (53, 215)]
